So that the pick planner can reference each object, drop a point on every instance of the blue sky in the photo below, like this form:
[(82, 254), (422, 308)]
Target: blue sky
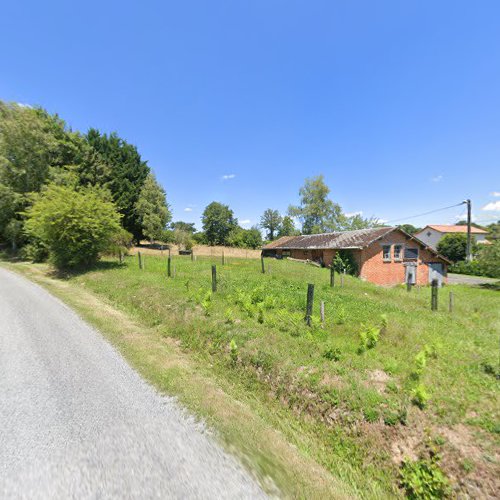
[(395, 102)]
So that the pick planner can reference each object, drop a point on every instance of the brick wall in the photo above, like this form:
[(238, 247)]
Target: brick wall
[(375, 270)]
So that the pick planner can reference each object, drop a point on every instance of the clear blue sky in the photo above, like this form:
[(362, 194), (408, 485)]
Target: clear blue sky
[(397, 102)]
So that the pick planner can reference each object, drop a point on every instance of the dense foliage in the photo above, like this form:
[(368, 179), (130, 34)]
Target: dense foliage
[(453, 246), (125, 175), (487, 262), (75, 226), (37, 149), (319, 214), (152, 209), (218, 222), (271, 220)]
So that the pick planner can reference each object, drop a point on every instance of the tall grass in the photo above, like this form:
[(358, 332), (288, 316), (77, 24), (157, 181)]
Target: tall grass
[(383, 365)]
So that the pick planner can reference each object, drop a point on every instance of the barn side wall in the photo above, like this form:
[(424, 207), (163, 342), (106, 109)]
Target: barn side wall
[(376, 270)]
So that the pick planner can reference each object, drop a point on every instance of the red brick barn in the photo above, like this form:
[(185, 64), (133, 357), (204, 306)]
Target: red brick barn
[(385, 255)]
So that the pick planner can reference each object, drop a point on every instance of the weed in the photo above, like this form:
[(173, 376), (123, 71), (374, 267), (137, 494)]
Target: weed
[(229, 316), (341, 315), (489, 369), (206, 303), (333, 354), (371, 415), (420, 362), (384, 322), (424, 479), (369, 337), (467, 465), (233, 352), (260, 315), (420, 396)]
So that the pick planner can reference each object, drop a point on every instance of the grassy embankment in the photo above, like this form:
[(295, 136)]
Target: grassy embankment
[(384, 379)]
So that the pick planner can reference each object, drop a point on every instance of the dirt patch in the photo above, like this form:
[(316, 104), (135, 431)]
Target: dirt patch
[(378, 380), (200, 250)]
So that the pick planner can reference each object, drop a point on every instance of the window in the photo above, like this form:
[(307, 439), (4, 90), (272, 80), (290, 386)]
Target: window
[(429, 234), (411, 253), (398, 252), (386, 253)]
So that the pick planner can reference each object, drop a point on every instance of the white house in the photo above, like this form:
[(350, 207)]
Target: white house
[(432, 234)]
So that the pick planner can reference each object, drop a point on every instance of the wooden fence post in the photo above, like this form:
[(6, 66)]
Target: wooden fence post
[(322, 313), (309, 306), (450, 305), (332, 276), (434, 295), (192, 255), (140, 260), (222, 256), (262, 263), (169, 265), (214, 278)]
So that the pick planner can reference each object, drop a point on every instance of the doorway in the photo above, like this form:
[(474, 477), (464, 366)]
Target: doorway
[(436, 272)]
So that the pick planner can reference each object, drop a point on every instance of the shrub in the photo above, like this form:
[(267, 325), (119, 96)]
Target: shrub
[(424, 479), (75, 226)]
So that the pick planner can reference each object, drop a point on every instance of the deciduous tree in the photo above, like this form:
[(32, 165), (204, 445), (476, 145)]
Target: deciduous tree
[(271, 221), (218, 222)]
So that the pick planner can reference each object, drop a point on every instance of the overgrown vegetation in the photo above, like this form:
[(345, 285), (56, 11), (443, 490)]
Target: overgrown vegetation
[(349, 412)]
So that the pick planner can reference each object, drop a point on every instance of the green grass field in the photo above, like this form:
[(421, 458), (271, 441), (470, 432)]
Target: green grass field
[(383, 380)]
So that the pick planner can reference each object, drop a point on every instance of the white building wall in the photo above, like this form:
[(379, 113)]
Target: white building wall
[(430, 237)]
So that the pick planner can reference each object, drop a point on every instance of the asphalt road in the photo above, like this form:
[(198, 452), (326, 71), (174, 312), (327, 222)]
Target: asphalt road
[(77, 422), (465, 279)]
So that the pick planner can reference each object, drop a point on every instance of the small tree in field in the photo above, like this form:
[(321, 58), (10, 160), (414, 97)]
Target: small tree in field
[(152, 209), (75, 226)]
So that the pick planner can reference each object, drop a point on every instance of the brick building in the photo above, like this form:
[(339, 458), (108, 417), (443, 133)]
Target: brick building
[(385, 256)]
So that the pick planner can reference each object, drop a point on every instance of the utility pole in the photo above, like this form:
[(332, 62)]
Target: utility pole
[(469, 239)]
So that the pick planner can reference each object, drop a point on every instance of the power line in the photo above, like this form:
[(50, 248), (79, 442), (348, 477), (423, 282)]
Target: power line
[(425, 213)]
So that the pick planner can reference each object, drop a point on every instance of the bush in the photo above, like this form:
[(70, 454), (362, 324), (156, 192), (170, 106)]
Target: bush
[(486, 264), (75, 226), (344, 260), (424, 479)]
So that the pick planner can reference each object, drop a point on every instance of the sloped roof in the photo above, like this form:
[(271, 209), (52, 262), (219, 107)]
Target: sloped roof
[(360, 238), (442, 228), (342, 240)]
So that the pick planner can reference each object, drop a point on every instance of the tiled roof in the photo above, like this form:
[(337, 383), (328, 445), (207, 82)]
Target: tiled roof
[(360, 238), (455, 229)]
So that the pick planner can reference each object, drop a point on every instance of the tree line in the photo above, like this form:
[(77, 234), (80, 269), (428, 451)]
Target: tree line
[(69, 196)]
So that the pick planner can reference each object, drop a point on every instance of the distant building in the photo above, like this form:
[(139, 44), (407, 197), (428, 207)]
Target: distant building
[(431, 235), (385, 256)]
